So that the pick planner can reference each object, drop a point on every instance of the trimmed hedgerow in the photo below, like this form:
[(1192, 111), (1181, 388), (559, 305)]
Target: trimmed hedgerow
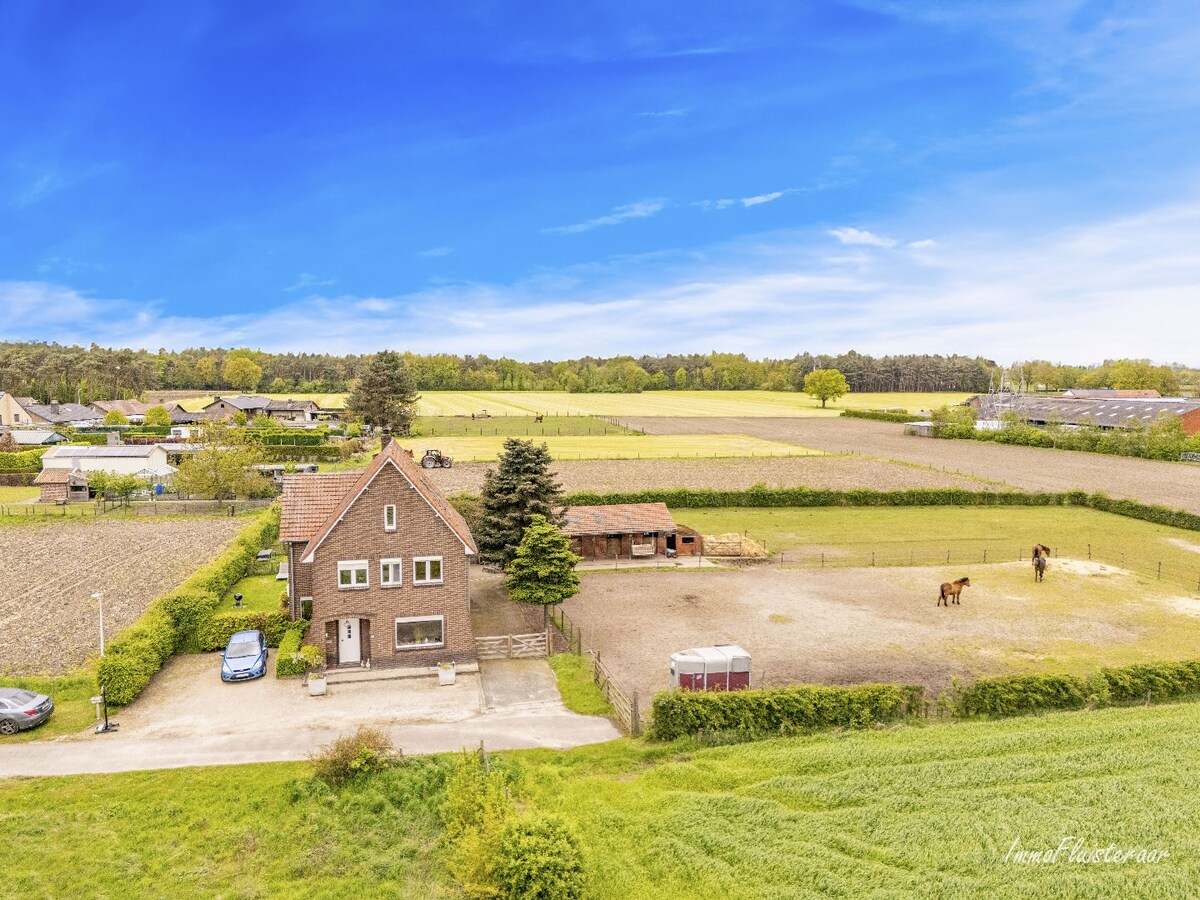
[(785, 710), (292, 658), (23, 460), (1158, 681), (215, 631), (880, 415), (282, 453), (131, 660)]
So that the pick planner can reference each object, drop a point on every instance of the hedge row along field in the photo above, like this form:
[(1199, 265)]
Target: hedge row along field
[(808, 497), (183, 619)]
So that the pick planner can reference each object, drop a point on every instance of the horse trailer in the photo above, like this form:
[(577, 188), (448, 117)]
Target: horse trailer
[(725, 667)]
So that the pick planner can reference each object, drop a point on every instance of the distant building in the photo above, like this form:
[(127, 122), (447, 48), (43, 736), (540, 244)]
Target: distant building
[(225, 408), (627, 530), (123, 459), (292, 410), (35, 437), (133, 410)]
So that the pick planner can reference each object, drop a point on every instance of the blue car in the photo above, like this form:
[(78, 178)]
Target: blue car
[(245, 657)]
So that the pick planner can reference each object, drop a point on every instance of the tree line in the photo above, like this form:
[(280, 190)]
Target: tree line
[(54, 372)]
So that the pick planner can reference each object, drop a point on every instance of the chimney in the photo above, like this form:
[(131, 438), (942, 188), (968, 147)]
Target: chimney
[(112, 438), (385, 439), (53, 408)]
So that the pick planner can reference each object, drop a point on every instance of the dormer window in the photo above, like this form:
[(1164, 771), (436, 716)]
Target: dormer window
[(389, 517)]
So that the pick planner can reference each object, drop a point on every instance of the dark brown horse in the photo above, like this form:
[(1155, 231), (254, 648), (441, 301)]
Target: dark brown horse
[(1040, 554), (951, 589)]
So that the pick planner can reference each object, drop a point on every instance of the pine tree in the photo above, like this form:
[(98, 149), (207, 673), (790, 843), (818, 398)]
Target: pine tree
[(542, 570), (385, 396), (521, 487)]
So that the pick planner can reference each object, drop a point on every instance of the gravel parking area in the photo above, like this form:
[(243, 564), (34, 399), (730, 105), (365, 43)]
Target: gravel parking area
[(48, 621)]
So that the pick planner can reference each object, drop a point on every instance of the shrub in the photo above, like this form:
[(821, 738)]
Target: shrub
[(476, 811), (23, 460), (1159, 681), (293, 659), (366, 751), (880, 415), (216, 630), (539, 859), (1013, 695), (780, 710), (319, 453)]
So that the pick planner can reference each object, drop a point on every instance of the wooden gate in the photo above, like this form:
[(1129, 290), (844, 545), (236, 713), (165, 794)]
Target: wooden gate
[(512, 646)]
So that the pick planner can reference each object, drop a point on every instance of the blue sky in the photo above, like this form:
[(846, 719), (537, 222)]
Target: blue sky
[(544, 180)]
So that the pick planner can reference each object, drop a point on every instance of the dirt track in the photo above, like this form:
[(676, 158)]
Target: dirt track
[(1175, 485)]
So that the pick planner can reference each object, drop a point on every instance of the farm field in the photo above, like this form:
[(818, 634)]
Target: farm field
[(897, 812), (18, 494), (648, 403), (513, 426), (612, 446), (48, 622), (856, 625), (1174, 485), (929, 536)]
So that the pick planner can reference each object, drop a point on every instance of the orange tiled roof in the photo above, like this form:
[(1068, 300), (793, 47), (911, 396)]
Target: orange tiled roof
[(620, 518), (308, 499)]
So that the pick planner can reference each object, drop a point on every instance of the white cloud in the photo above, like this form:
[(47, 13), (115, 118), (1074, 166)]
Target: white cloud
[(308, 281), (926, 244), (640, 210), (859, 236), (761, 198), (1076, 295), (673, 113), (724, 203), (434, 252)]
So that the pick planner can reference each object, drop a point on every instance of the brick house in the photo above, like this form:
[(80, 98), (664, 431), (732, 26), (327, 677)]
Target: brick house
[(384, 560)]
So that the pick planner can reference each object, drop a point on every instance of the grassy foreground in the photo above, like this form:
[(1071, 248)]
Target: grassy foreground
[(18, 494), (886, 813)]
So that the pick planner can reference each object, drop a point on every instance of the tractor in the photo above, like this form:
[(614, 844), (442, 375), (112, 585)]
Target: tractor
[(433, 459)]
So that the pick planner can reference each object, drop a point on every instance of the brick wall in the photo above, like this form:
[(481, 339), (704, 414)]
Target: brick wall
[(361, 535)]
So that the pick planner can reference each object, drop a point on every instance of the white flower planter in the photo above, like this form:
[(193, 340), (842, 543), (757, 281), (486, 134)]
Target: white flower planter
[(316, 686), (446, 674)]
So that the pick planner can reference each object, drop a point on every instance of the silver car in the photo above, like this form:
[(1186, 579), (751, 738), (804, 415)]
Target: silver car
[(21, 709)]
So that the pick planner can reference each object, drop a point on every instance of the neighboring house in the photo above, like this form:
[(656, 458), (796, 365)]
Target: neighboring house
[(384, 560), (181, 416), (13, 409), (225, 408), (61, 414), (133, 410), (293, 410), (628, 530), (123, 459), (35, 437), (62, 486)]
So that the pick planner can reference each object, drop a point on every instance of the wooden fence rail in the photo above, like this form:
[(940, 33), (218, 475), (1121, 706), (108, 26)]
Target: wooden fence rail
[(513, 646), (626, 703)]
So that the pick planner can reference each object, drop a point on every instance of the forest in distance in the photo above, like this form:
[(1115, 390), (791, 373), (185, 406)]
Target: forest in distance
[(53, 372)]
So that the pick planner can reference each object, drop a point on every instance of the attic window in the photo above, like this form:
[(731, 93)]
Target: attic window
[(389, 517)]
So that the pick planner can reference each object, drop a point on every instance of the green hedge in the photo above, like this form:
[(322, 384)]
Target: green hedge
[(91, 440), (286, 438), (1019, 694), (320, 453), (780, 710), (292, 659), (215, 631), (760, 496), (880, 415), (23, 460), (175, 621), (1163, 440)]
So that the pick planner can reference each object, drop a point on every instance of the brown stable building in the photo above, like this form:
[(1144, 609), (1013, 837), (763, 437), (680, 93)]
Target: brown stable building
[(383, 558), (628, 531)]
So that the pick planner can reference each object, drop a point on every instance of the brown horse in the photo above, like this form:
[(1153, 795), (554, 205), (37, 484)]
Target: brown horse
[(951, 590), (1040, 554)]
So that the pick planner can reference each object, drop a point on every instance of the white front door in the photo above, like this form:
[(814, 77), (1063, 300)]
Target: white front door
[(349, 650)]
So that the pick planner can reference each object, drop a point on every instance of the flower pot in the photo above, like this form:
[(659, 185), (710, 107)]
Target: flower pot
[(316, 685), (445, 672)]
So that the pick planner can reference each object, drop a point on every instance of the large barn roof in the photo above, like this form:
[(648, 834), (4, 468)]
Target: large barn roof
[(619, 518), (101, 452), (1109, 413)]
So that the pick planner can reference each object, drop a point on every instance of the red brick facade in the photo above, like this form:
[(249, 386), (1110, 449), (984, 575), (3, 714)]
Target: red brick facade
[(360, 534)]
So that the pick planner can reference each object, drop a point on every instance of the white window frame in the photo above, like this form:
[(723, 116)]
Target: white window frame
[(426, 646), (385, 565), (391, 507), (417, 560), (354, 565)]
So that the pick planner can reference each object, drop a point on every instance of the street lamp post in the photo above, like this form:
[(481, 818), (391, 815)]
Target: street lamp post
[(102, 700)]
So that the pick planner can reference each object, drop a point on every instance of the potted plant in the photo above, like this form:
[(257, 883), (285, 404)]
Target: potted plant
[(445, 673), (316, 682)]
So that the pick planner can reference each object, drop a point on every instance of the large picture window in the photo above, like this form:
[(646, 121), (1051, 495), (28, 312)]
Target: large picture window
[(390, 572), (352, 574), (420, 632), (427, 570)]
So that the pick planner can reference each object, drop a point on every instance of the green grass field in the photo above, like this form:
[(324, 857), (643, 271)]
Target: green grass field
[(17, 494), (649, 403), (898, 812), (923, 536), (259, 593), (72, 710), (614, 446)]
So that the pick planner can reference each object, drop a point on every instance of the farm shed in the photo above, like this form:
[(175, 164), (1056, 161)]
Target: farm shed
[(35, 438), (62, 486), (125, 459), (920, 429), (1109, 412), (628, 530)]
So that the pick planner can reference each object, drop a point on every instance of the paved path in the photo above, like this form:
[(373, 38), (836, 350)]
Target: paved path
[(501, 730), (1175, 485)]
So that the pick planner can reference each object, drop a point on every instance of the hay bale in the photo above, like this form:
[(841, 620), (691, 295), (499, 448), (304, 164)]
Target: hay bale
[(732, 544)]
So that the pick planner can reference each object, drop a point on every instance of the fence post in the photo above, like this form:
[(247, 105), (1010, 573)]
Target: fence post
[(1160, 570), (635, 716)]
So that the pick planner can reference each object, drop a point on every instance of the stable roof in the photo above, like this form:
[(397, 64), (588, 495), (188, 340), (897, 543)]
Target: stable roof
[(619, 518)]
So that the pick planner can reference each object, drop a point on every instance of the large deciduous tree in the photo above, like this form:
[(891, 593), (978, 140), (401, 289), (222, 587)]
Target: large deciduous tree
[(223, 467), (115, 417), (384, 397), (542, 570), (521, 487), (241, 372), (157, 416), (825, 384)]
